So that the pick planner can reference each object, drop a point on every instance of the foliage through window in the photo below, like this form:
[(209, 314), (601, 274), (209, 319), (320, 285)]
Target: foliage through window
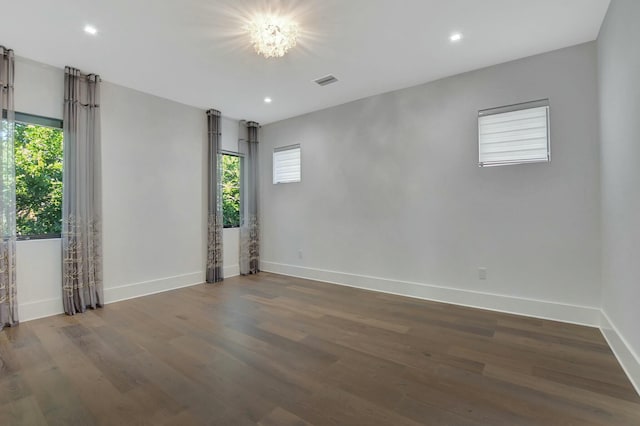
[(231, 191), (38, 160)]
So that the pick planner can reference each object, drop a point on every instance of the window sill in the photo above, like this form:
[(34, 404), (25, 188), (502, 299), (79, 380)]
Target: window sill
[(38, 237)]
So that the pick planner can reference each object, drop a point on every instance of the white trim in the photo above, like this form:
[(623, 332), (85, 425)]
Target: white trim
[(575, 314), (37, 309), (146, 288), (628, 359), (40, 309), (231, 271)]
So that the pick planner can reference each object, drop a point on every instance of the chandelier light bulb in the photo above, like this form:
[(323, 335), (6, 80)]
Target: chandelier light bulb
[(272, 36)]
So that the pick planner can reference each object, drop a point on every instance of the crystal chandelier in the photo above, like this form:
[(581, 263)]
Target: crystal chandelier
[(272, 36)]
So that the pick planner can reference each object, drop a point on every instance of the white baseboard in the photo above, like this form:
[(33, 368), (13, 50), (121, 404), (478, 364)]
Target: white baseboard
[(40, 309), (583, 315), (628, 359), (145, 288), (44, 308), (231, 271)]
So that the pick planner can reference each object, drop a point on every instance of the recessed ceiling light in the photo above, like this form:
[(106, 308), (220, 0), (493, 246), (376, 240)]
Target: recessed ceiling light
[(267, 100), (90, 29), (455, 37)]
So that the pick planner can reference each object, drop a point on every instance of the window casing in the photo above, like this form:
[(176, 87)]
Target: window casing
[(38, 147), (514, 134), (231, 189), (286, 164)]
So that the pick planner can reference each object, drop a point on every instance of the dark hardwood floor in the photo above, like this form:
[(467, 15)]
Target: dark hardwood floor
[(276, 350)]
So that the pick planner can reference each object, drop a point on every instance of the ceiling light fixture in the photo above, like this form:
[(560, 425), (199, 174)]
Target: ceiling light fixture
[(89, 29), (455, 37), (267, 100), (272, 36)]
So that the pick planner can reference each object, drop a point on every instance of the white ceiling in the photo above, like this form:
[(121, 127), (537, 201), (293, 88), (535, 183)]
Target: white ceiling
[(196, 52)]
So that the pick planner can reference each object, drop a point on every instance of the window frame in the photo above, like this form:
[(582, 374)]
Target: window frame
[(540, 103), (273, 160), (241, 185), (38, 120)]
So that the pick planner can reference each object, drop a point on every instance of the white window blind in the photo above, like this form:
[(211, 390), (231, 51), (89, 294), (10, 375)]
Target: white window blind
[(514, 134), (286, 164)]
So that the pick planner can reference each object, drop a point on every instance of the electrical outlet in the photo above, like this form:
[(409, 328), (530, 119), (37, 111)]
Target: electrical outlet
[(482, 273), (300, 254)]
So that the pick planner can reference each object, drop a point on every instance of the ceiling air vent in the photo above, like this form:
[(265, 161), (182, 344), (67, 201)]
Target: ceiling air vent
[(323, 81)]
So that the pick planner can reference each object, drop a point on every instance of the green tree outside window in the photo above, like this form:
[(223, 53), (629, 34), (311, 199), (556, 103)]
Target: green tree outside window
[(38, 160), (230, 191)]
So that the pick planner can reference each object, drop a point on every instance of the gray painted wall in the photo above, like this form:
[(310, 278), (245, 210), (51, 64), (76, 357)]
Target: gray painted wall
[(619, 86), (391, 188), (154, 193)]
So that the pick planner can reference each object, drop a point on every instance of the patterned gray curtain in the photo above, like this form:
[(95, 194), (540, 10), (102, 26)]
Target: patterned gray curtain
[(249, 226), (82, 195), (8, 296), (214, 222)]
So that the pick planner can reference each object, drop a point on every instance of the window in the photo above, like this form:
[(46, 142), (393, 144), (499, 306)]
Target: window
[(514, 134), (286, 164), (38, 159), (231, 167)]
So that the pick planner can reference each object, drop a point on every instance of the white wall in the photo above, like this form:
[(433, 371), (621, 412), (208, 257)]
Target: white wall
[(153, 170), (39, 278), (619, 86), (39, 90), (154, 194), (392, 198)]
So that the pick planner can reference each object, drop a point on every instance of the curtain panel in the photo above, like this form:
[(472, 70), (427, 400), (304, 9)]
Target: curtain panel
[(82, 195), (8, 292), (249, 226), (214, 218)]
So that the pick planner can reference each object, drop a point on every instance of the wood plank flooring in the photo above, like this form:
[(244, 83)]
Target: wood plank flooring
[(275, 350)]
